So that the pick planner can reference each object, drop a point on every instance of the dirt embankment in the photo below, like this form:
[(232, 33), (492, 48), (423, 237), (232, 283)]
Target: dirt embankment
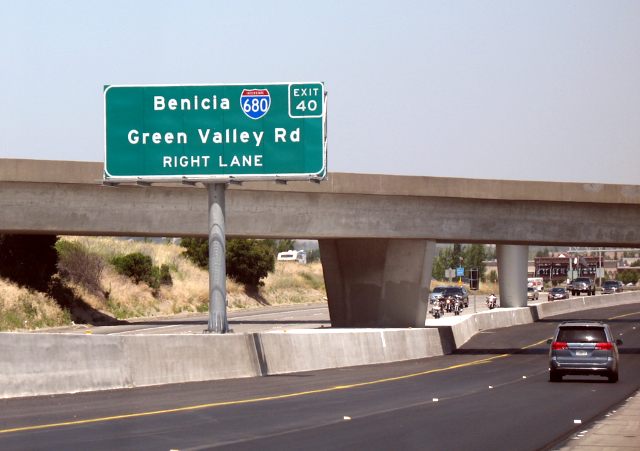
[(119, 298)]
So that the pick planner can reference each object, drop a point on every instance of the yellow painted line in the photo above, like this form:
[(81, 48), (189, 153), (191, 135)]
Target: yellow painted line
[(626, 314), (536, 344), (261, 399)]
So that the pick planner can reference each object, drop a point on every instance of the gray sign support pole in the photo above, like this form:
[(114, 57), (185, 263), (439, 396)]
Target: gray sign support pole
[(217, 267)]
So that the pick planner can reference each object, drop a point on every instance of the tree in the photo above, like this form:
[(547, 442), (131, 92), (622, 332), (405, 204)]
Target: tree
[(470, 256), (197, 250), (280, 245), (543, 253), (249, 261), (490, 252), (442, 262), (628, 276), (474, 257), (313, 255), (493, 276), (457, 256), (28, 260)]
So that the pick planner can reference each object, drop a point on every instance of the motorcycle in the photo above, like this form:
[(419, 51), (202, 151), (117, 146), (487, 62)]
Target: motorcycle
[(436, 310), (491, 301), (449, 304), (457, 307)]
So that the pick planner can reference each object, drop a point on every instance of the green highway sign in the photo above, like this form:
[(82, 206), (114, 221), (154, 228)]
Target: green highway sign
[(258, 131)]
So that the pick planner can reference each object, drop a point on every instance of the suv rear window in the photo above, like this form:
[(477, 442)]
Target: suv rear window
[(577, 334)]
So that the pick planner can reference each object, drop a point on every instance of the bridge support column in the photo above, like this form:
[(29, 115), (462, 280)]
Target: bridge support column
[(512, 273), (377, 282)]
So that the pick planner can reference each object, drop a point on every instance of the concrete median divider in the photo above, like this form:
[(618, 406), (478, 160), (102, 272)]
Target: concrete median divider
[(305, 350), (586, 303), (45, 364), (39, 364), (461, 329)]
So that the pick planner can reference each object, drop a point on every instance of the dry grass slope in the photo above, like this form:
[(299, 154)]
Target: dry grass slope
[(24, 309), (122, 298)]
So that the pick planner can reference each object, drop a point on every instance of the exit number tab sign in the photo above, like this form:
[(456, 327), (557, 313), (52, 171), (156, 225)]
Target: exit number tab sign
[(305, 100)]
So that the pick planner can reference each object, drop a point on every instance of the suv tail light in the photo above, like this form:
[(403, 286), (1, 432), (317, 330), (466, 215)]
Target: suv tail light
[(558, 345), (604, 346)]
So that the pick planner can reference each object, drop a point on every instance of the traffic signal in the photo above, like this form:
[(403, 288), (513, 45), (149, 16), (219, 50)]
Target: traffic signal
[(474, 281)]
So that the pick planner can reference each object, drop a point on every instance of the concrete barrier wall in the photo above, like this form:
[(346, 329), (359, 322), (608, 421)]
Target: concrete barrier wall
[(585, 303), (156, 359), (38, 364), (43, 364), (468, 326), (305, 350)]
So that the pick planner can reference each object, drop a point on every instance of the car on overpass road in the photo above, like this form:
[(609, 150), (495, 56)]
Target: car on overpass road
[(583, 348), (558, 293), (583, 285), (612, 286), (460, 293), (436, 293)]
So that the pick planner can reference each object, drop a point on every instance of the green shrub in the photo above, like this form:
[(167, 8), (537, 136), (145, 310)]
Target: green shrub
[(197, 250), (249, 261), (136, 266), (628, 276), (139, 267)]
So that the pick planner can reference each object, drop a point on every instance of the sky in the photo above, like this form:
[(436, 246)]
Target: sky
[(517, 90)]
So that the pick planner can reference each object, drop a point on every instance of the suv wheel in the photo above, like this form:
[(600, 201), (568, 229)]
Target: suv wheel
[(613, 377), (555, 377)]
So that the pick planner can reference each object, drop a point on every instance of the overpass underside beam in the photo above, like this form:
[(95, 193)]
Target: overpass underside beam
[(512, 270), (377, 282)]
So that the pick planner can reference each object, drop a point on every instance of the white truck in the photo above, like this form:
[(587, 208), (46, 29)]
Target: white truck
[(293, 256), (537, 283)]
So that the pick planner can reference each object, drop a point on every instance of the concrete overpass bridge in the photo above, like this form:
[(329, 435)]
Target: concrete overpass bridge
[(377, 233)]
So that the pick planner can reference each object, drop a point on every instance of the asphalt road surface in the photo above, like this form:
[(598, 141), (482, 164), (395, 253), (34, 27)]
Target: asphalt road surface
[(305, 316), (493, 394)]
